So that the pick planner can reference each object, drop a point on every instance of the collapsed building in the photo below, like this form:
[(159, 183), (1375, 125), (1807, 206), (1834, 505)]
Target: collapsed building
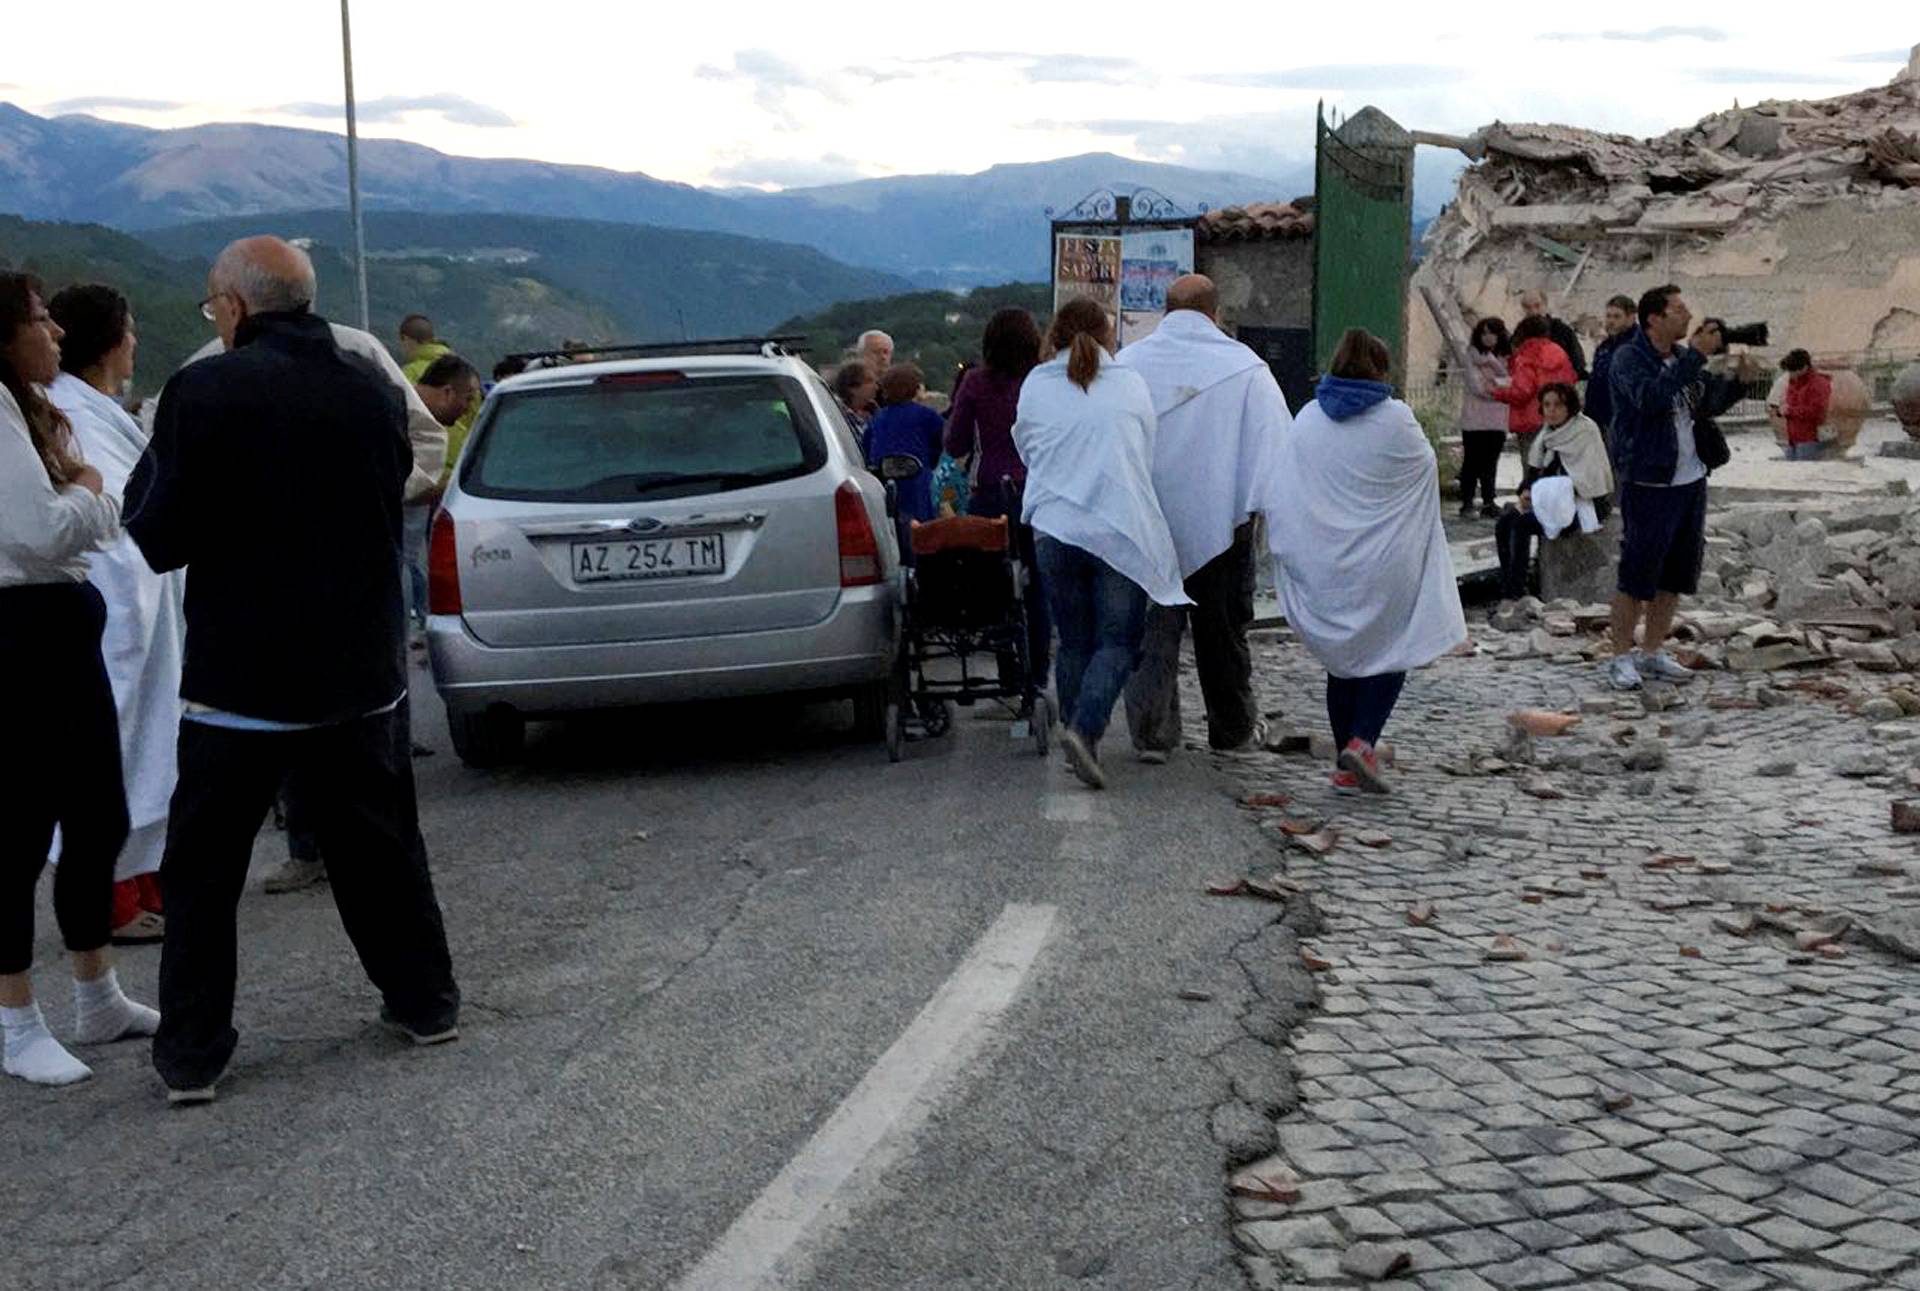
[(1801, 214)]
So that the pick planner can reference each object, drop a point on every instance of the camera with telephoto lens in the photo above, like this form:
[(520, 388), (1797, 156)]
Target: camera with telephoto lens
[(1753, 334)]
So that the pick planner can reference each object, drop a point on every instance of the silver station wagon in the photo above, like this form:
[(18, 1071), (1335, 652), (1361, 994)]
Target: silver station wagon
[(692, 522)]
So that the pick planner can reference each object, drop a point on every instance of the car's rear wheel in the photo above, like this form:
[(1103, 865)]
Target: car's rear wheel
[(870, 711), (896, 731), (489, 738)]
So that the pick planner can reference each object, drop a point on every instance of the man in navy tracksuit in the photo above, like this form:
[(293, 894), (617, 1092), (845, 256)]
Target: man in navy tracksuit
[(1656, 382), (1599, 398)]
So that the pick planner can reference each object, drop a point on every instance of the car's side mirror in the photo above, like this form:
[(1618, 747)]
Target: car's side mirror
[(899, 466)]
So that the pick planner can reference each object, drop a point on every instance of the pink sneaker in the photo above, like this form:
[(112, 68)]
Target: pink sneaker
[(1345, 782), (1359, 760)]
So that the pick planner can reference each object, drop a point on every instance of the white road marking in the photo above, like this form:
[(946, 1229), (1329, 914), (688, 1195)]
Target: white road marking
[(1073, 807), (872, 1127)]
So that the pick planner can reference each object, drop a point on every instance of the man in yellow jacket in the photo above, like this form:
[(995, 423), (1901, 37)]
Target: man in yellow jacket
[(420, 349)]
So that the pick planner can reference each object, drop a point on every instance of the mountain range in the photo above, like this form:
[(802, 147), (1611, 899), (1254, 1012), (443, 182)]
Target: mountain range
[(657, 283), (938, 230), (486, 309)]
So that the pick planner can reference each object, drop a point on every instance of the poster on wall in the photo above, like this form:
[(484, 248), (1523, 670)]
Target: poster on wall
[(1087, 265), (1149, 263)]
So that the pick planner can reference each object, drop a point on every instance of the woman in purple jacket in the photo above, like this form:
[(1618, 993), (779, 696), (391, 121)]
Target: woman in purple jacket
[(980, 426)]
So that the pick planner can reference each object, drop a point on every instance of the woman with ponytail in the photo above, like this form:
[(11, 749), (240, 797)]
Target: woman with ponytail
[(53, 511), (1085, 430)]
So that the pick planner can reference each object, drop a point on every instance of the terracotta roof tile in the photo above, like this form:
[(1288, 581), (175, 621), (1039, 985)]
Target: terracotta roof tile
[(1255, 222)]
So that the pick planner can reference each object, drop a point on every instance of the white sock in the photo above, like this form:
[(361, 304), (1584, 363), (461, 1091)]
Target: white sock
[(33, 1054), (102, 1013)]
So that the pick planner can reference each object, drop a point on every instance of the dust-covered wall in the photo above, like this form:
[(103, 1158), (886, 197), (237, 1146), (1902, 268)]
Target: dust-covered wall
[(1833, 278)]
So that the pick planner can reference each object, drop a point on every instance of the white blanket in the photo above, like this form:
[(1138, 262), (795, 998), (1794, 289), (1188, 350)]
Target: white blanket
[(1354, 519), (1089, 456), (1220, 415), (145, 634), (1556, 505)]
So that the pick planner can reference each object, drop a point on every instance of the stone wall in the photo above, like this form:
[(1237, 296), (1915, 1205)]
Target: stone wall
[(1264, 283)]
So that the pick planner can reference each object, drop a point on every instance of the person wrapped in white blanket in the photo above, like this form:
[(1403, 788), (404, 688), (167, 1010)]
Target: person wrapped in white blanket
[(1085, 429), (1353, 515), (1569, 481), (1221, 417), (146, 624)]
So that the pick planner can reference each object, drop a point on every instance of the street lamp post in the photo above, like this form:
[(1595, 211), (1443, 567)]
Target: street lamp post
[(353, 172)]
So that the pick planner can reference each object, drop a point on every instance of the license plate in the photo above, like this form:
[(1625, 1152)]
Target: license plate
[(690, 554)]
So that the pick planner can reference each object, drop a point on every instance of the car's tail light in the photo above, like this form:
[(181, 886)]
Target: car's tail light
[(859, 549), (443, 567)]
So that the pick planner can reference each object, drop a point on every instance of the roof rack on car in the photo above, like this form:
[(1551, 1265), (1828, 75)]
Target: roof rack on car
[(766, 346)]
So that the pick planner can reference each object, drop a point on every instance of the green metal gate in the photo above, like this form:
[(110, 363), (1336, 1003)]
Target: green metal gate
[(1363, 233)]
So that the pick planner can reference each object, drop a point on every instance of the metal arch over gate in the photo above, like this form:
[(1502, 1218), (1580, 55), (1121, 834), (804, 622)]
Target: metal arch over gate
[(1363, 233), (1092, 229)]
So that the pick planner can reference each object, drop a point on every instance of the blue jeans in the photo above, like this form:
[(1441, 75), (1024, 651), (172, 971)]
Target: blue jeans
[(1101, 616), (414, 519), (1358, 707), (1809, 452)]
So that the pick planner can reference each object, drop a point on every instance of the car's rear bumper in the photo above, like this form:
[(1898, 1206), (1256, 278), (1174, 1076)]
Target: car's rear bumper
[(854, 646)]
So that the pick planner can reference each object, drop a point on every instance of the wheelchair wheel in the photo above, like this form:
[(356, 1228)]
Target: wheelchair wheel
[(937, 716), (1042, 723)]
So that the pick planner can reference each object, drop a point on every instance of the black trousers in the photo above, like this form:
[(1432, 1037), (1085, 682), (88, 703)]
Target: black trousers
[(303, 844), (1222, 593), (1480, 463), (1513, 535), (62, 768), (356, 782)]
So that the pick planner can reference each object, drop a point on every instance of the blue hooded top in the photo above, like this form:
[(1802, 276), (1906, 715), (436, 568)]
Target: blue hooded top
[(1344, 397)]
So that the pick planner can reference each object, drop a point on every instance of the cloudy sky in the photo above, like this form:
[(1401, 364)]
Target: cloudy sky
[(777, 94)]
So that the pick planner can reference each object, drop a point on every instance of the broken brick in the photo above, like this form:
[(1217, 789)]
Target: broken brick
[(1906, 816), (1542, 721), (1265, 1181)]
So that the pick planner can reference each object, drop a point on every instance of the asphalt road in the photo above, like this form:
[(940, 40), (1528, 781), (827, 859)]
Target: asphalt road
[(684, 938)]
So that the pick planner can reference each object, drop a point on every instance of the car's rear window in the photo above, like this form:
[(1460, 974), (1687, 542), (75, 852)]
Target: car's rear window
[(655, 437)]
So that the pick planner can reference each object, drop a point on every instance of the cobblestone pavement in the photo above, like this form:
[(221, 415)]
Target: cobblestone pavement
[(1667, 1089)]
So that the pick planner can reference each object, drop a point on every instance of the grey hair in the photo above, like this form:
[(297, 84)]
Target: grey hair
[(264, 291), (867, 335)]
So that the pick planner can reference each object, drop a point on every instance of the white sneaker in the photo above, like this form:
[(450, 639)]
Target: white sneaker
[(1622, 674), (1081, 758), (1256, 741), (1662, 666), (1152, 757)]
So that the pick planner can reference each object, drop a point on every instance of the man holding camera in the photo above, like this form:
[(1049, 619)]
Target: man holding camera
[(1658, 385)]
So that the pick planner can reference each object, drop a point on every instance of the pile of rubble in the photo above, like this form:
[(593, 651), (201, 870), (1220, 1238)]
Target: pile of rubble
[(1741, 164), (1828, 590), (1569, 210)]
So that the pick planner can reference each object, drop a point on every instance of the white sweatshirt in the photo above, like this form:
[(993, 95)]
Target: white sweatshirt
[(45, 533)]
